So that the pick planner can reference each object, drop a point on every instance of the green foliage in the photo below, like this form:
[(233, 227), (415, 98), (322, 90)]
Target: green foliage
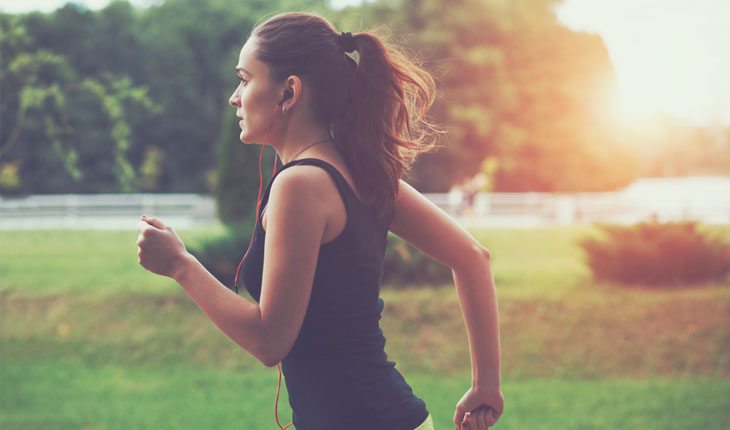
[(664, 254), (237, 175), (514, 86), (221, 253), (405, 266), (9, 178), (151, 169), (47, 101)]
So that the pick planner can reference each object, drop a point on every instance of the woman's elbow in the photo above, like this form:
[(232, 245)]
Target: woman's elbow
[(476, 254), (267, 359), (485, 252)]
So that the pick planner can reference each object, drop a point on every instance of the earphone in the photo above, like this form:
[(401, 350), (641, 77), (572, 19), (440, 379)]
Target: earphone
[(287, 95)]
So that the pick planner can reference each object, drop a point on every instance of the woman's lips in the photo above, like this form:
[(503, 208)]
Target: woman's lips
[(240, 123)]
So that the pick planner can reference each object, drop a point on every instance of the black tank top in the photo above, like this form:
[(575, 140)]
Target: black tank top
[(337, 374)]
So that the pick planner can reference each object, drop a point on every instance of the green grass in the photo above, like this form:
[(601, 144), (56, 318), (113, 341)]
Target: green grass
[(91, 340), (89, 262), (66, 395)]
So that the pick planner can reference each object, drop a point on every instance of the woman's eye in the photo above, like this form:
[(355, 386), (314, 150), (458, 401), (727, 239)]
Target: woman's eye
[(241, 80)]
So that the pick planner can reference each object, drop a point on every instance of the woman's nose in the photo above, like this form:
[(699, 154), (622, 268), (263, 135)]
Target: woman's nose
[(233, 100)]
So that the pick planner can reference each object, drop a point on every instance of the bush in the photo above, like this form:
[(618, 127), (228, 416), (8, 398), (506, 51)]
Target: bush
[(237, 175), (656, 254), (222, 253), (405, 266)]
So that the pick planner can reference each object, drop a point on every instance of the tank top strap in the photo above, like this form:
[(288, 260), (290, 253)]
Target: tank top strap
[(347, 193), (267, 190), (340, 180)]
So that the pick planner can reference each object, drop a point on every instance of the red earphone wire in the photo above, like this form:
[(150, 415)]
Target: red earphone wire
[(235, 279), (258, 207), (258, 203), (276, 402)]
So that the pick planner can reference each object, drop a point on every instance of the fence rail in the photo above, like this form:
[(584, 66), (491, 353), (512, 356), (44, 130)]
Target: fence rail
[(104, 211), (121, 211)]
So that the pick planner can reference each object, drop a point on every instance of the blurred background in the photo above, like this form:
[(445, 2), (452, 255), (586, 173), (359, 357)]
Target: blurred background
[(588, 148)]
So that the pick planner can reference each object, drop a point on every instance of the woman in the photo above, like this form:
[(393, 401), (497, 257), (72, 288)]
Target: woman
[(346, 131)]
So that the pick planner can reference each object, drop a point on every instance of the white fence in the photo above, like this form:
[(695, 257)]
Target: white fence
[(182, 211), (104, 211), (542, 209)]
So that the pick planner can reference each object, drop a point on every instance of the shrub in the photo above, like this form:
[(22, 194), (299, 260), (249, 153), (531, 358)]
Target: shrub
[(405, 266), (656, 253), (237, 175), (222, 253)]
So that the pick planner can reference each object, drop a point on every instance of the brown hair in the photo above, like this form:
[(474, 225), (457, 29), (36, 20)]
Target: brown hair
[(375, 107)]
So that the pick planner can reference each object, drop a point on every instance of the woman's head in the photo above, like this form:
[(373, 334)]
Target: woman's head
[(374, 107), (299, 61), (307, 46)]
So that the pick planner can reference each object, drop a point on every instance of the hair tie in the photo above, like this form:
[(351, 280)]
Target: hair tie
[(347, 41)]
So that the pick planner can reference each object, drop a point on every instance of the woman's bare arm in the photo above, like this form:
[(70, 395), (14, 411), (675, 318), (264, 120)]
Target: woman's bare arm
[(296, 224), (478, 298), (423, 224)]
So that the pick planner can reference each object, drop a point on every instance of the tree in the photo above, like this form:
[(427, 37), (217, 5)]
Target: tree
[(68, 133), (515, 86)]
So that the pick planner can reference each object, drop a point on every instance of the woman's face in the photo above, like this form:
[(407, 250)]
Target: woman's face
[(255, 98)]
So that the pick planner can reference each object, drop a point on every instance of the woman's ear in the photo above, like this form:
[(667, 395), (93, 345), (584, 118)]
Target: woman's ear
[(292, 92)]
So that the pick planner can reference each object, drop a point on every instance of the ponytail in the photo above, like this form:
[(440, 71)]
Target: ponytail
[(384, 127)]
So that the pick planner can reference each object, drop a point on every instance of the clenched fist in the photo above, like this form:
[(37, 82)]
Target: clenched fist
[(159, 248)]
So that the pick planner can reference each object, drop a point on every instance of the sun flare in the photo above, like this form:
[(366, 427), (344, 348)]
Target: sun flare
[(671, 60)]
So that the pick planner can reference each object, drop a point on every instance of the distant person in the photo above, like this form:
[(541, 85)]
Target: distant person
[(469, 195), (457, 198), (346, 132), (470, 188)]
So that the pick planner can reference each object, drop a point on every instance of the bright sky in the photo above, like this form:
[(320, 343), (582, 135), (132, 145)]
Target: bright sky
[(14, 6), (670, 56)]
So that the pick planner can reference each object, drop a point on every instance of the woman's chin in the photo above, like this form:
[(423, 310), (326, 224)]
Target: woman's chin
[(248, 138), (244, 137)]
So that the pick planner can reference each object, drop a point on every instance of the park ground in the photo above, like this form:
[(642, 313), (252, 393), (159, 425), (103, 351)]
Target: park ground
[(90, 340)]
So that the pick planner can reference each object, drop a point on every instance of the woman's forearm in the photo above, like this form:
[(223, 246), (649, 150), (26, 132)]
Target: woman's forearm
[(478, 297), (239, 318)]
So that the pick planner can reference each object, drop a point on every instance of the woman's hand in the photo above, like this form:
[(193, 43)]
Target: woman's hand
[(159, 249), (479, 409)]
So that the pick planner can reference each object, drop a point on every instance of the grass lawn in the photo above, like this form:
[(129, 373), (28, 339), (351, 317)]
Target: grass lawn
[(61, 394), (90, 340)]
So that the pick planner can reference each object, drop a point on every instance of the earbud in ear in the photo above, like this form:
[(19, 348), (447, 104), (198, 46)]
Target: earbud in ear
[(287, 95)]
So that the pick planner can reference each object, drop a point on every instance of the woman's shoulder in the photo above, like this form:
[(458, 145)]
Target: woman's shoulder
[(300, 178), (302, 189)]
